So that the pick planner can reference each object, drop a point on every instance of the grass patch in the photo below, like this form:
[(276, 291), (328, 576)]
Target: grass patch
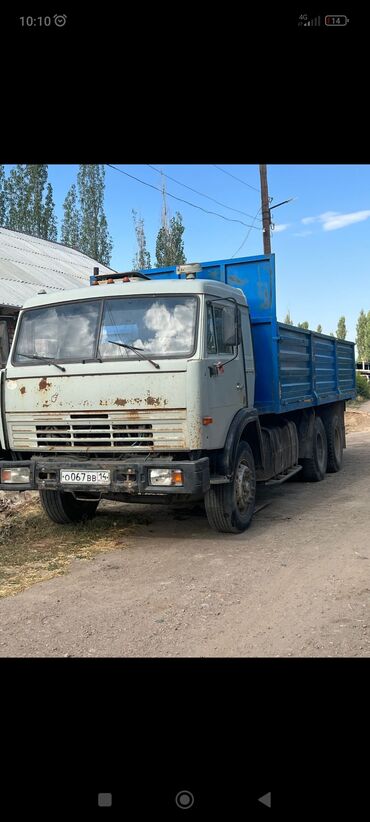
[(34, 549)]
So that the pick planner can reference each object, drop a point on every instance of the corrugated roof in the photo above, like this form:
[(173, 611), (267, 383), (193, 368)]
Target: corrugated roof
[(28, 264)]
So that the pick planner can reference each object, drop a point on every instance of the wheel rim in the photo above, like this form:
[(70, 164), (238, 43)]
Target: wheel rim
[(243, 487)]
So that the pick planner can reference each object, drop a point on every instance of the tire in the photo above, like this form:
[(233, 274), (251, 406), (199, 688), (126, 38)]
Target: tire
[(314, 468), (63, 508), (230, 507), (333, 428)]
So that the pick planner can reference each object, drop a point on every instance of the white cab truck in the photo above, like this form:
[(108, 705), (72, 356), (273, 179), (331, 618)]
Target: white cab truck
[(169, 385)]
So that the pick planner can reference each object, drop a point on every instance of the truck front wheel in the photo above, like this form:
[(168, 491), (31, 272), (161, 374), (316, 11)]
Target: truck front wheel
[(314, 468), (63, 508), (230, 507)]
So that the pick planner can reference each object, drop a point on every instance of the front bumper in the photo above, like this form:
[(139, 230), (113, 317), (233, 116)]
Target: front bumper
[(127, 476)]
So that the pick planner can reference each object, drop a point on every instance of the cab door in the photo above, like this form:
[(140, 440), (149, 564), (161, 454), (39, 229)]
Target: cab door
[(225, 373)]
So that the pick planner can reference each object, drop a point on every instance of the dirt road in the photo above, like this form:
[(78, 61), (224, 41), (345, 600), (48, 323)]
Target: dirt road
[(296, 584)]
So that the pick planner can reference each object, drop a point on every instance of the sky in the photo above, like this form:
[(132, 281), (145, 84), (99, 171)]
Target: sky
[(321, 239)]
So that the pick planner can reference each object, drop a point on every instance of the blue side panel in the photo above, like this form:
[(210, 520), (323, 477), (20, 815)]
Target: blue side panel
[(313, 368)]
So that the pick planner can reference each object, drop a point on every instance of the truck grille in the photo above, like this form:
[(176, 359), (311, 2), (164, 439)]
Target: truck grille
[(100, 432)]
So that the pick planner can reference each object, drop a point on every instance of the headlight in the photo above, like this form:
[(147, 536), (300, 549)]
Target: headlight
[(16, 475), (166, 476)]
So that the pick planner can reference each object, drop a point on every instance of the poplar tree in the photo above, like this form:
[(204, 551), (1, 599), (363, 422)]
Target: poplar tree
[(170, 245), (303, 325), (341, 328), (361, 335), (142, 256), (95, 239), (288, 320), (71, 224), (2, 195), (49, 222), (319, 329)]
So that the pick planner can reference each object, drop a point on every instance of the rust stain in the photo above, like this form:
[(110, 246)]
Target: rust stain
[(153, 400), (44, 384), (45, 404), (23, 389), (103, 402), (120, 401)]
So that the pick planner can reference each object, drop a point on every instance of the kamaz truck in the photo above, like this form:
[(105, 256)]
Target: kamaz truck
[(170, 385)]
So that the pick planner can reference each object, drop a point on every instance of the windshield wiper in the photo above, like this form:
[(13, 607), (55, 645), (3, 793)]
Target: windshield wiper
[(136, 351), (45, 359)]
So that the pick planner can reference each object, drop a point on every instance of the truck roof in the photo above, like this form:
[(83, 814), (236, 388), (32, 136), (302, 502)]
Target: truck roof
[(137, 287)]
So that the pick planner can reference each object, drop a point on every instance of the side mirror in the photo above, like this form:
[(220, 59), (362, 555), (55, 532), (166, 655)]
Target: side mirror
[(231, 327)]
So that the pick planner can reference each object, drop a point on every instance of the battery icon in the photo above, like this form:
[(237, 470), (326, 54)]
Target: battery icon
[(336, 20)]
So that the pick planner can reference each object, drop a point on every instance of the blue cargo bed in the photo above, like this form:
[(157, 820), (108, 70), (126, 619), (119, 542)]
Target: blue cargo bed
[(294, 368)]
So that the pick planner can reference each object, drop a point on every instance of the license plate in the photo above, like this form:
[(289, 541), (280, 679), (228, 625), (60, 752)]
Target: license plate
[(85, 477)]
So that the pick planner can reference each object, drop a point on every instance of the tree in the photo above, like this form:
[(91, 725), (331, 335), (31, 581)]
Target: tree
[(288, 320), (331, 334), (49, 222), (170, 245), (71, 224), (25, 206), (341, 328), (95, 239), (319, 329), (303, 325), (15, 189), (142, 256), (367, 337), (2, 195), (361, 335)]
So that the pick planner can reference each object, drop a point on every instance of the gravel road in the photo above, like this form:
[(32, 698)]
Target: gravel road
[(296, 584)]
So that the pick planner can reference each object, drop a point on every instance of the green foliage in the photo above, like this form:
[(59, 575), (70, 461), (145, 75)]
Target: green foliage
[(2, 195), (94, 239), (170, 245), (26, 208), (361, 342), (71, 220), (319, 329), (362, 386), (341, 328), (49, 222), (303, 325), (142, 256), (288, 320)]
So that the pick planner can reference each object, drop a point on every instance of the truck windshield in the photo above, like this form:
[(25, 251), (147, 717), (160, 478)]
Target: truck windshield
[(162, 326), (86, 330)]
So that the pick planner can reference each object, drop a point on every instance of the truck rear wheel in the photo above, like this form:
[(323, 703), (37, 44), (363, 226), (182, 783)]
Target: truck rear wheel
[(63, 508), (334, 437), (314, 468), (230, 507)]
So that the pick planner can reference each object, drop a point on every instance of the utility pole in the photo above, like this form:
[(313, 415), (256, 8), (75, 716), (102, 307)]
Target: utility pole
[(265, 207)]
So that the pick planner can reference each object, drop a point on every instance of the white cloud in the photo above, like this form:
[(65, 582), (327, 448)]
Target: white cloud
[(332, 222), (302, 233), (281, 227), (307, 220)]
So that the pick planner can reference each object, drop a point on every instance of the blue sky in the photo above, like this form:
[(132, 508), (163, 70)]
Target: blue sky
[(321, 240)]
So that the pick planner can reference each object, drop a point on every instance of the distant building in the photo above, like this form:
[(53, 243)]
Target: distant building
[(29, 265), (364, 369)]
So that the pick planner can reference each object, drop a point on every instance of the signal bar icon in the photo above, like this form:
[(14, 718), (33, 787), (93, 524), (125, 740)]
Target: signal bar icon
[(315, 21)]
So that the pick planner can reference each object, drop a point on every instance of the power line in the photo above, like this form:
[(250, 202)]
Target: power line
[(215, 213), (236, 178), (247, 234), (200, 192)]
